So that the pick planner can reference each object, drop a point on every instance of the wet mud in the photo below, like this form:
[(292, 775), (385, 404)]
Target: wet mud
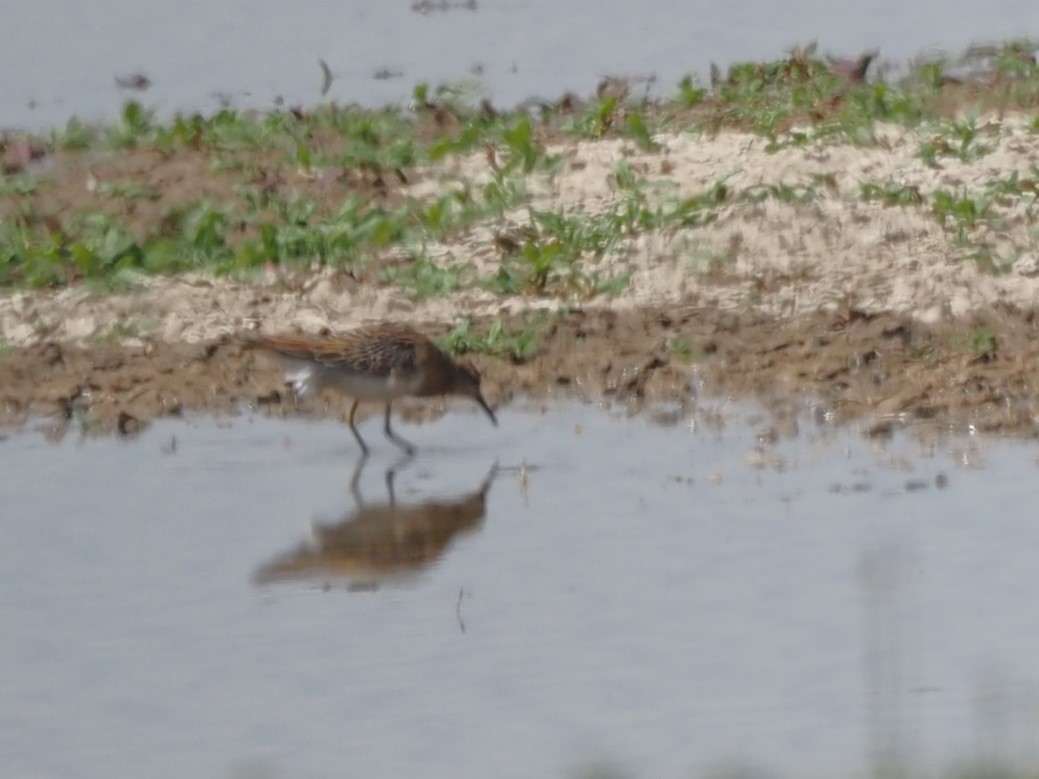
[(881, 371)]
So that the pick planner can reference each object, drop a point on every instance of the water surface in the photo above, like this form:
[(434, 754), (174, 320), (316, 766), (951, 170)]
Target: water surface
[(639, 594), (61, 59)]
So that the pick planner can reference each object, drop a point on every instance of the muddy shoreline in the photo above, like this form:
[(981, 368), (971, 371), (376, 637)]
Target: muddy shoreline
[(879, 371)]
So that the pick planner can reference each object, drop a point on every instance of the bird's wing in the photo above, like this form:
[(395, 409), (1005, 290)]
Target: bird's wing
[(374, 351)]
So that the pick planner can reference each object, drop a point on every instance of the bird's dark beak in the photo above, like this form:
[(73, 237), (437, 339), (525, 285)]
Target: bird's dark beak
[(483, 404)]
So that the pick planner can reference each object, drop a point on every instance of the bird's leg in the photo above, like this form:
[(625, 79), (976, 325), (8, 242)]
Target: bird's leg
[(353, 427), (355, 480), (391, 474), (405, 445)]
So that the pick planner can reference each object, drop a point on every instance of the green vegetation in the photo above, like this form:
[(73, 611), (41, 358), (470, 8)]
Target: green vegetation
[(983, 342), (958, 140), (422, 277), (890, 193), (499, 342), (123, 329), (392, 195), (16, 186), (680, 348), (128, 189)]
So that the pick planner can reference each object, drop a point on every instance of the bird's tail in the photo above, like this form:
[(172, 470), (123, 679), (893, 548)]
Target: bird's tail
[(300, 368)]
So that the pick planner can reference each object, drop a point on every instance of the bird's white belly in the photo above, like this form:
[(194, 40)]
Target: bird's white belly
[(362, 387), (305, 378)]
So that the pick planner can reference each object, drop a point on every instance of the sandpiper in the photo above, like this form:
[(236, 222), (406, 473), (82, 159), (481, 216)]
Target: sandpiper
[(376, 363)]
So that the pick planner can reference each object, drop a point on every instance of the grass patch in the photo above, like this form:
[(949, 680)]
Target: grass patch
[(129, 190), (422, 277), (983, 343), (16, 186), (341, 186), (498, 341), (680, 348), (891, 193), (957, 140)]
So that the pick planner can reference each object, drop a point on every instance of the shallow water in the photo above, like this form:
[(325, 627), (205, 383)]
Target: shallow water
[(661, 598), (61, 59)]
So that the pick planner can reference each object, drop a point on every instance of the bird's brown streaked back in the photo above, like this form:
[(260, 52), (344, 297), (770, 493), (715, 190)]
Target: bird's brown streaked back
[(376, 350)]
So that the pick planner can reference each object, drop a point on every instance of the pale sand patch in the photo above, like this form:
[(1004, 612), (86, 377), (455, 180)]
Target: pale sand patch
[(783, 258)]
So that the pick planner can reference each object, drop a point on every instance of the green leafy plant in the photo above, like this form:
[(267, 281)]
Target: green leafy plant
[(497, 341)]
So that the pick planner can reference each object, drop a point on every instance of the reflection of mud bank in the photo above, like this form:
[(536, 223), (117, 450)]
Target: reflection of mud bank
[(883, 369)]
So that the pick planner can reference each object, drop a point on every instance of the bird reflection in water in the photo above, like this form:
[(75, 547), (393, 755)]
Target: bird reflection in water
[(376, 543)]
